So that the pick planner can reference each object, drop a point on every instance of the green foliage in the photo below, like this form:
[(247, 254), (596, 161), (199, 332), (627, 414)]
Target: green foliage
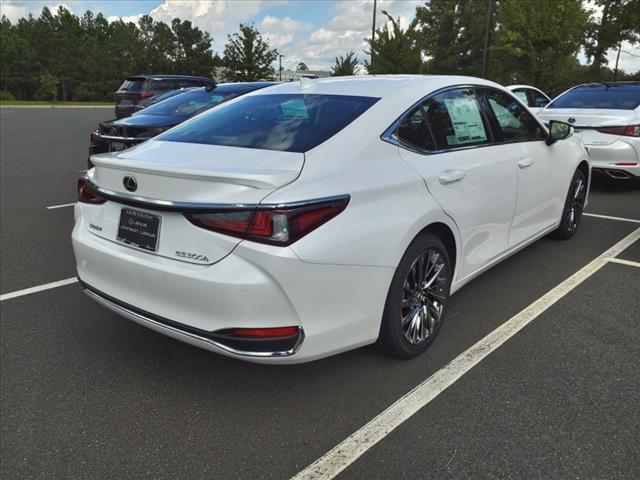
[(48, 87), (91, 57), (345, 65), (537, 43), (451, 34), (248, 57), (619, 21), (394, 50), (6, 96)]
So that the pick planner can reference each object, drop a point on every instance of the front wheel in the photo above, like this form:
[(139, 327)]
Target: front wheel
[(573, 207), (417, 299)]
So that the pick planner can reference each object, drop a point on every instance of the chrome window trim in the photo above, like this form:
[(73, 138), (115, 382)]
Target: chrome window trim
[(389, 135), (143, 319), (190, 207)]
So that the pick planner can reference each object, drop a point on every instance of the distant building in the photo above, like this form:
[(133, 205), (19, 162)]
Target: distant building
[(291, 75)]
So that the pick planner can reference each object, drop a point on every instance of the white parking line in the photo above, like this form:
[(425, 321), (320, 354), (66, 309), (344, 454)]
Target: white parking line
[(607, 217), (53, 207), (349, 450), (39, 288), (622, 261)]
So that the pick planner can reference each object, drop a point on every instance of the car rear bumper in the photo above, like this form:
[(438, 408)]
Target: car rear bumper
[(336, 307), (618, 159)]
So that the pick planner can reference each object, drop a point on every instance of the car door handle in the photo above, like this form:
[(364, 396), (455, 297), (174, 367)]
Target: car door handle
[(450, 176), (525, 162)]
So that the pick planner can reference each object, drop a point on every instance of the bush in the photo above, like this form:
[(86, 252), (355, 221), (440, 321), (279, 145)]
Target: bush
[(7, 96)]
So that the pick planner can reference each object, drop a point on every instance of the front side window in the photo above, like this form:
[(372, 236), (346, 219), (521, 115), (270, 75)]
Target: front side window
[(515, 122), (537, 99), (283, 122)]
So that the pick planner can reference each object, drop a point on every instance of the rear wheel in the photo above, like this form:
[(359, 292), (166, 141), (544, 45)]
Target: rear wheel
[(573, 207), (417, 299)]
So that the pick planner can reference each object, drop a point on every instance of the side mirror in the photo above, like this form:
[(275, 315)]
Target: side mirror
[(558, 131)]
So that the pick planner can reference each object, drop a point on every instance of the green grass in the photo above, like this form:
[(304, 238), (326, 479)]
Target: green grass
[(53, 104)]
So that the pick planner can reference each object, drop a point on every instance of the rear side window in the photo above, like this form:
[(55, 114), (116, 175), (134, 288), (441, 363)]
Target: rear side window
[(132, 85), (162, 85), (605, 96), (515, 123), (291, 123), (448, 120)]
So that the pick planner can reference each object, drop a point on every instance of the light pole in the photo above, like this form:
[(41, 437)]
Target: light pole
[(373, 31), (280, 65)]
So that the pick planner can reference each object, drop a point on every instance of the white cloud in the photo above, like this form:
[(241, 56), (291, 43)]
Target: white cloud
[(16, 9), (349, 26)]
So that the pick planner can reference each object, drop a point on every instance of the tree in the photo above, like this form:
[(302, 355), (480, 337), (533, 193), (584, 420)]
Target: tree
[(619, 21), (395, 50), (302, 67), (248, 57), (451, 34), (537, 43), (48, 87), (345, 65)]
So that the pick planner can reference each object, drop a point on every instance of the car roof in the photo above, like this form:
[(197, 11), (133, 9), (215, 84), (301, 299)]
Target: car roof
[(374, 85), (160, 76)]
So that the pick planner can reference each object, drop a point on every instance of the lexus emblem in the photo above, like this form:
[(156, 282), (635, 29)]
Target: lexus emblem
[(572, 120), (130, 183)]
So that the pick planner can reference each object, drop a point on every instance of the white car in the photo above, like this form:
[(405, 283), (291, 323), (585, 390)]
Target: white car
[(310, 218), (607, 117), (532, 97)]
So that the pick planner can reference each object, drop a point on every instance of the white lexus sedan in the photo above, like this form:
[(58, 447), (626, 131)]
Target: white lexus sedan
[(311, 218), (607, 118)]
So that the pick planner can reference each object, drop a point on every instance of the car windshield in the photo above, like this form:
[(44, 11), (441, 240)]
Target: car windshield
[(291, 123), (604, 96), (132, 85), (190, 102)]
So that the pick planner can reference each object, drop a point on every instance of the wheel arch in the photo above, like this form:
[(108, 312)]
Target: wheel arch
[(446, 235)]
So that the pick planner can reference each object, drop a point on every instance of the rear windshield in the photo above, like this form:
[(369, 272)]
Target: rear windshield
[(288, 123), (190, 102), (132, 85), (616, 97)]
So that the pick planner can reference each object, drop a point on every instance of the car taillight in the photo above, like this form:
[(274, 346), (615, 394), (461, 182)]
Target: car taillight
[(274, 225), (95, 139), (628, 131), (135, 96), (85, 195)]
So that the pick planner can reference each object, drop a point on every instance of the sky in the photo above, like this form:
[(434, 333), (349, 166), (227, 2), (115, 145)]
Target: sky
[(310, 31)]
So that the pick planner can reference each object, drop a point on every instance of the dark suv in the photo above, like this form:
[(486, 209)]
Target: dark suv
[(137, 92)]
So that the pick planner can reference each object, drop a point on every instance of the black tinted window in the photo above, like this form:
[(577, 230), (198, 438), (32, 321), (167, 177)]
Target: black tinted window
[(293, 123), (455, 119), (515, 123), (163, 85), (413, 130), (537, 99), (190, 102), (611, 96), (132, 85)]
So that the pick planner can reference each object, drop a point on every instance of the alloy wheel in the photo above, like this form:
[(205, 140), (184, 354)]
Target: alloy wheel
[(424, 295), (576, 203)]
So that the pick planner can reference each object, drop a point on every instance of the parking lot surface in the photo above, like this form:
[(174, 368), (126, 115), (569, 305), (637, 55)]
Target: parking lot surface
[(87, 394)]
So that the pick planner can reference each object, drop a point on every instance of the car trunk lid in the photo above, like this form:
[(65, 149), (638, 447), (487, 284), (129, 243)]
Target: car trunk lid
[(173, 177), (586, 121)]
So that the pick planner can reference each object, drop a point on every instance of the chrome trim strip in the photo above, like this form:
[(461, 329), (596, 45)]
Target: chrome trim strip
[(124, 139), (144, 319), (186, 207)]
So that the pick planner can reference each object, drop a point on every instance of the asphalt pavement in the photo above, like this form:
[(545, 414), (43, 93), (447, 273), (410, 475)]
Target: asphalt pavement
[(87, 394)]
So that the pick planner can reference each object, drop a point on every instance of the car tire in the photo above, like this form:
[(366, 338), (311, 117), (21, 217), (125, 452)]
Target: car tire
[(573, 207), (412, 316)]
